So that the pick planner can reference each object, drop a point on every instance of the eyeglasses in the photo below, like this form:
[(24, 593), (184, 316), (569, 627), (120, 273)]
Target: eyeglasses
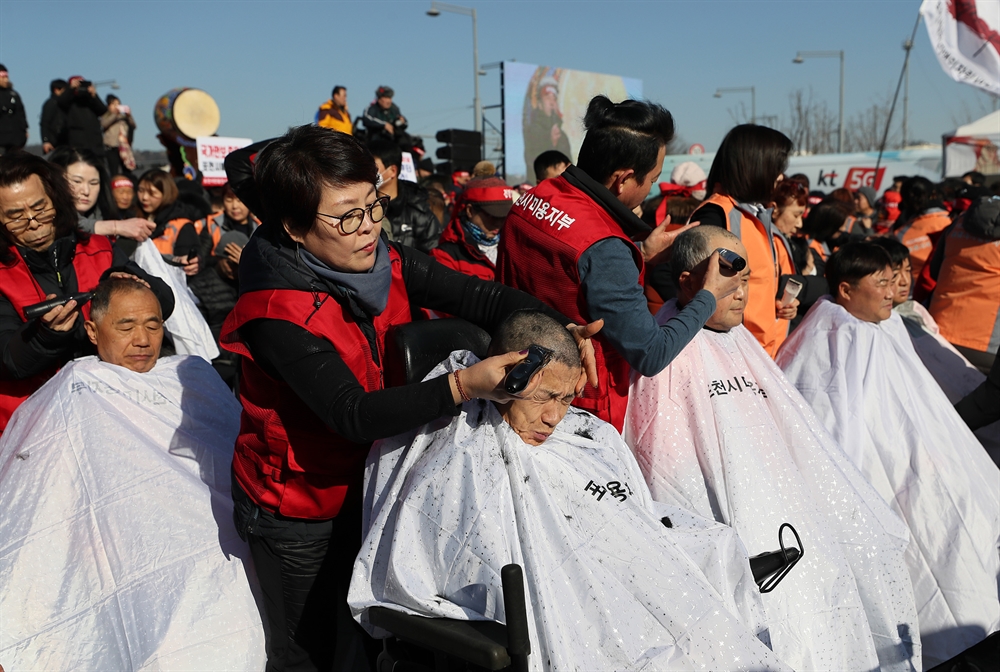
[(351, 220), (20, 224)]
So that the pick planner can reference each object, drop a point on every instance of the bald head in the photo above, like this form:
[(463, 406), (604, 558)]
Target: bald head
[(689, 261)]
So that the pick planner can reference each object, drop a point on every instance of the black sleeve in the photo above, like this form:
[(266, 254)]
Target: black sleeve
[(28, 348), (981, 407), (321, 379), (188, 243), (121, 262), (710, 214), (96, 105), (484, 303), (65, 99)]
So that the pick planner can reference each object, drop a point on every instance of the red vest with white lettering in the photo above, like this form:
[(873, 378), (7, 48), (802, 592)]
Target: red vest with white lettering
[(90, 259), (546, 232), (287, 459)]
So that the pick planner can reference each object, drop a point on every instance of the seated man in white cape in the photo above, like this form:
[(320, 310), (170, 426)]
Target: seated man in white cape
[(722, 433), (118, 547), (853, 361), (535, 482), (954, 374)]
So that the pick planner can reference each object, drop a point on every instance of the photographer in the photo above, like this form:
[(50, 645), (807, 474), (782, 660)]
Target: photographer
[(83, 110)]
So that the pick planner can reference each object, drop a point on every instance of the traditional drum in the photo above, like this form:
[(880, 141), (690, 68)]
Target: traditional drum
[(185, 114)]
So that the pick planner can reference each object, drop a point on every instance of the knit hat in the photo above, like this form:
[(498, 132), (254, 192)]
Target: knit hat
[(868, 193), (489, 193), (690, 174), (384, 91)]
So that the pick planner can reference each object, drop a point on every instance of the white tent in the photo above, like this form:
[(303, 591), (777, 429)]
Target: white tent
[(973, 147)]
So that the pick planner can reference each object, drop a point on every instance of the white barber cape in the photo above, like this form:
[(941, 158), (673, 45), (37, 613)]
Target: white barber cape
[(869, 388), (117, 544), (721, 432), (608, 586), (954, 374), (186, 325)]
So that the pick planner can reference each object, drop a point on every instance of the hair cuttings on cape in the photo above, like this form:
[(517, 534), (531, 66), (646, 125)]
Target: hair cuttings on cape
[(524, 328)]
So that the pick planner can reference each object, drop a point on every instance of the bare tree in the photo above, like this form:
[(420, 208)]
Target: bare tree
[(863, 132), (812, 126)]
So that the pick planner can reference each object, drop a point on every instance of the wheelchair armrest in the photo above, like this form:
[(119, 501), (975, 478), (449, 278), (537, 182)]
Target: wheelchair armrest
[(482, 643)]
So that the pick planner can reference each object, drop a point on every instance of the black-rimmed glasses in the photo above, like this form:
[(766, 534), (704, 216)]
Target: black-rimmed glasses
[(351, 220), (20, 224)]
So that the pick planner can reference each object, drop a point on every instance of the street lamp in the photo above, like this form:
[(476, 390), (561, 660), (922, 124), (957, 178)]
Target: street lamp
[(738, 89), (801, 56), (435, 10), (113, 83)]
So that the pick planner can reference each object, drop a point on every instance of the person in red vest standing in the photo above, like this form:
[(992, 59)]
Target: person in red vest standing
[(319, 290), (44, 255), (469, 243), (569, 241)]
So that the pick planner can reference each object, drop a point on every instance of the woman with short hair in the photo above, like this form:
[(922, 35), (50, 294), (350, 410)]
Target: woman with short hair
[(319, 290)]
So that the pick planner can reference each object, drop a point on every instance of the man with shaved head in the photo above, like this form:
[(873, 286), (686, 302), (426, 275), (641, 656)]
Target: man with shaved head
[(551, 487), (720, 431)]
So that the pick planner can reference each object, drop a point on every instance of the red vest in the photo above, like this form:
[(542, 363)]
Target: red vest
[(90, 259), (286, 458), (456, 252), (543, 237)]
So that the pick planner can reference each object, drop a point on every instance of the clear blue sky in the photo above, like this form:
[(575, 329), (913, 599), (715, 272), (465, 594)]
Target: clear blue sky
[(270, 64)]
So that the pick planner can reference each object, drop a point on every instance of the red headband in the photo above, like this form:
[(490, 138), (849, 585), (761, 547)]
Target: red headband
[(488, 194), (121, 183), (668, 189)]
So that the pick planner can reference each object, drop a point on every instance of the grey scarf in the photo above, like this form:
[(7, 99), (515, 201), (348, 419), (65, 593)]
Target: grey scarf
[(370, 290)]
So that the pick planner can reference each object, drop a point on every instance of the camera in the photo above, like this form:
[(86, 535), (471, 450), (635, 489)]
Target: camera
[(85, 84)]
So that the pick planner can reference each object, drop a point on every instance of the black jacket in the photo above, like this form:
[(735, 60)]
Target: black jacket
[(83, 122), (315, 371), (28, 348), (53, 122), (216, 294), (13, 120), (414, 224)]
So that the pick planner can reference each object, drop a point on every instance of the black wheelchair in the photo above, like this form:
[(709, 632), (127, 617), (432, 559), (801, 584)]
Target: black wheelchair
[(421, 644)]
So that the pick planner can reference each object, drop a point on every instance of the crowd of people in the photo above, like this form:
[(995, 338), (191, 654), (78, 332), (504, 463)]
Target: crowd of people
[(731, 356)]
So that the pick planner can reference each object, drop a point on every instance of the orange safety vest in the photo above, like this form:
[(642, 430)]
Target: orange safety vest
[(165, 241), (920, 234), (966, 300), (759, 317), (215, 230)]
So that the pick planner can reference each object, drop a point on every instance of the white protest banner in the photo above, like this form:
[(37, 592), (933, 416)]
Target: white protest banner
[(212, 153), (408, 171), (965, 35)]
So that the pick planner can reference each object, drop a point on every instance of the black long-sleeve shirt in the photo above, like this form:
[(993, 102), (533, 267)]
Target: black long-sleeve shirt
[(29, 348), (315, 371)]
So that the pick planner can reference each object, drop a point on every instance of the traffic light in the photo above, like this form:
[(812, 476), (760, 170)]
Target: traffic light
[(462, 150)]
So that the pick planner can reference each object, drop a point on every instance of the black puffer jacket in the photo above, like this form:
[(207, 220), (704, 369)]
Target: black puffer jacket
[(83, 123), (28, 348), (414, 224), (13, 120)]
